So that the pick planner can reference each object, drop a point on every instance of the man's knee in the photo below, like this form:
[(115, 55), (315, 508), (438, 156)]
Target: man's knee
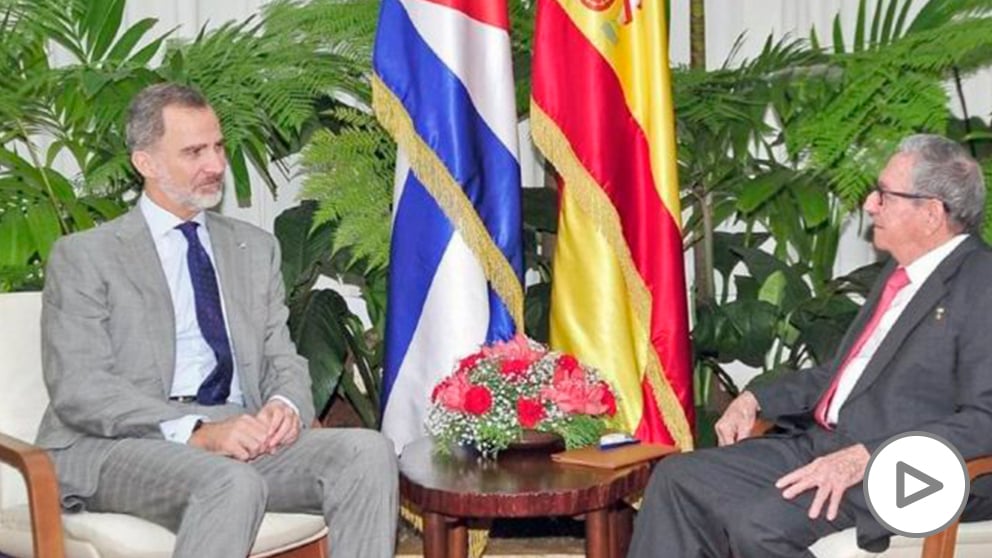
[(235, 480), (668, 475), (770, 526)]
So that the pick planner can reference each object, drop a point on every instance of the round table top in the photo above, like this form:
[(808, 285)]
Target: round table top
[(525, 484)]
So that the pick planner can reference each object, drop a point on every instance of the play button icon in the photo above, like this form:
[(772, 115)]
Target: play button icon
[(930, 484), (916, 484)]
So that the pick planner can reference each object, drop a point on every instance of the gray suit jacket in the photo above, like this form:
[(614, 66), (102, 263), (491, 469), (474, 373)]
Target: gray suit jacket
[(933, 371), (108, 335)]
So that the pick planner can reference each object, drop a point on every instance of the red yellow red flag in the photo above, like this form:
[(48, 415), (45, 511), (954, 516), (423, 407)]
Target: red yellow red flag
[(601, 112)]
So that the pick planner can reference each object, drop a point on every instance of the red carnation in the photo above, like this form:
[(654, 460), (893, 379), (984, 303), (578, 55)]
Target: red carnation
[(478, 400), (514, 368), (568, 363), (469, 362), (609, 400), (529, 412)]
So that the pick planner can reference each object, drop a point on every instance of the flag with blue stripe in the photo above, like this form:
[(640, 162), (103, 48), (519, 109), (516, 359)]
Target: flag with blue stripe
[(443, 87)]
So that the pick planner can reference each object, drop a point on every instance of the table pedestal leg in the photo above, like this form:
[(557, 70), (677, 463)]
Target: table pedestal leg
[(621, 527), (457, 540), (598, 534), (435, 536)]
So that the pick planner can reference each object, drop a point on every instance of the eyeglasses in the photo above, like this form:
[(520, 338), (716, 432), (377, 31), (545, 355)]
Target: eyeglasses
[(882, 192)]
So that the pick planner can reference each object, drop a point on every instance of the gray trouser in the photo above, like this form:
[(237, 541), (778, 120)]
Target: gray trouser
[(215, 504)]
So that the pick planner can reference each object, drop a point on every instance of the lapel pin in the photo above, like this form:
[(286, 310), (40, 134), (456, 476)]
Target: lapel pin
[(242, 245), (939, 313)]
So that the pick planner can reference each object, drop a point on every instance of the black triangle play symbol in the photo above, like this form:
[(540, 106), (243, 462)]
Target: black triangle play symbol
[(932, 484)]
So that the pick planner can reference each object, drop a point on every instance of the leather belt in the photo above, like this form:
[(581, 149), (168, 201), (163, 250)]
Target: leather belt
[(183, 398)]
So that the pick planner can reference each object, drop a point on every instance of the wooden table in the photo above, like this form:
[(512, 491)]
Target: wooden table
[(450, 489)]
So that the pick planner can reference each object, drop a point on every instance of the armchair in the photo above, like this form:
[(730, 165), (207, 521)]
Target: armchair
[(31, 521)]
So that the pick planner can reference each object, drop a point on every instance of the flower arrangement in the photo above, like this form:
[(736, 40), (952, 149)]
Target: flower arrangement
[(496, 393)]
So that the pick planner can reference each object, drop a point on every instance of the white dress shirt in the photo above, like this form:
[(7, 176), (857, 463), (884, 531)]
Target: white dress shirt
[(918, 272), (195, 359)]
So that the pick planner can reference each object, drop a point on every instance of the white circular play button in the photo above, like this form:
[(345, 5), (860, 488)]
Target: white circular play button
[(916, 484)]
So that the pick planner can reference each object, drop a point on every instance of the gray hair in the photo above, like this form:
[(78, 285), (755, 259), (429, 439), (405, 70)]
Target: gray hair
[(144, 116), (944, 170)]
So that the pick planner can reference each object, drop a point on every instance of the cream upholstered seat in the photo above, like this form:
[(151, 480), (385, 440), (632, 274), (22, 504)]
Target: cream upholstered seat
[(974, 541), (38, 528)]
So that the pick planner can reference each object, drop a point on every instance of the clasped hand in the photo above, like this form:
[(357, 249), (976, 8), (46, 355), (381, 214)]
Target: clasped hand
[(246, 437)]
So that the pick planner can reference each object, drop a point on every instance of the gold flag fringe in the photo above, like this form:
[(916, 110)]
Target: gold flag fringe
[(449, 195), (589, 195), (477, 538)]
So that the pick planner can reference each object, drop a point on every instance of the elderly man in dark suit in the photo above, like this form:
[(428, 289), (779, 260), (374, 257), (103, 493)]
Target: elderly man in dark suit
[(917, 357), (176, 393)]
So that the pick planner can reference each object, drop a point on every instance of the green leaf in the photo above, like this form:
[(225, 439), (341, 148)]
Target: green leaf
[(748, 331), (242, 182), (304, 249), (859, 28), (838, 36), (16, 245), (122, 48), (81, 217), (773, 289), (813, 204), (761, 189), (109, 25), (890, 18), (319, 335), (45, 228), (761, 266), (143, 56), (93, 81)]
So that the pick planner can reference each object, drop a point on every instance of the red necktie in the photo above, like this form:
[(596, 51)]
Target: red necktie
[(893, 285)]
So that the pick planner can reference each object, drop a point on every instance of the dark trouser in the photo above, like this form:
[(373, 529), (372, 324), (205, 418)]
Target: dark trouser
[(722, 502)]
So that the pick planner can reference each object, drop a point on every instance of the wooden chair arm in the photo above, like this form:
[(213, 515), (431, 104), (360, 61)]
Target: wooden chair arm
[(43, 494), (941, 545)]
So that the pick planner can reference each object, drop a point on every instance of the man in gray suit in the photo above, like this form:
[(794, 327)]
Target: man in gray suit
[(917, 357), (176, 393)]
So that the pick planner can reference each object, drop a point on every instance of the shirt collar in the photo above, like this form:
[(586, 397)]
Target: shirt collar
[(923, 266), (161, 221)]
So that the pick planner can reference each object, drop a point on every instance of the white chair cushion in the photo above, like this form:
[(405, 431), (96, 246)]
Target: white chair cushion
[(112, 535), (974, 541)]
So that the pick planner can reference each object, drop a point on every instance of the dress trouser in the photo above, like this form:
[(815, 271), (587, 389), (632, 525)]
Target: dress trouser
[(722, 502), (215, 504)]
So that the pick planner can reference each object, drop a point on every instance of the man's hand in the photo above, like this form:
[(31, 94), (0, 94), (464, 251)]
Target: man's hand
[(831, 475), (241, 437), (282, 425), (737, 421)]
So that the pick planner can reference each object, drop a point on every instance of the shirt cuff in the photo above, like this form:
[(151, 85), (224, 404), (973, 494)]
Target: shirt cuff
[(179, 430), (288, 402)]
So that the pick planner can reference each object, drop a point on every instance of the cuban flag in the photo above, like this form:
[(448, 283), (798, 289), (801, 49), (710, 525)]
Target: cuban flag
[(443, 87)]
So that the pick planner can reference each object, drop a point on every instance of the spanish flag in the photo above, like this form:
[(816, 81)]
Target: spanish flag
[(601, 112)]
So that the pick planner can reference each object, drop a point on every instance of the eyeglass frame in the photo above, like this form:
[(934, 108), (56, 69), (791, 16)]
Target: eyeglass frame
[(882, 192)]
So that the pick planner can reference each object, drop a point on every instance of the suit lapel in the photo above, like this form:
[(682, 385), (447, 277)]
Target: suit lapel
[(232, 258), (931, 292), (139, 259)]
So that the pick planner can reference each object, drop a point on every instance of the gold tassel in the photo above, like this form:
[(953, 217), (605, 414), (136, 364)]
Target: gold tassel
[(594, 202)]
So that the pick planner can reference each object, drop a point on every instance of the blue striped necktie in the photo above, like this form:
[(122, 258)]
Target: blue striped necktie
[(210, 317)]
